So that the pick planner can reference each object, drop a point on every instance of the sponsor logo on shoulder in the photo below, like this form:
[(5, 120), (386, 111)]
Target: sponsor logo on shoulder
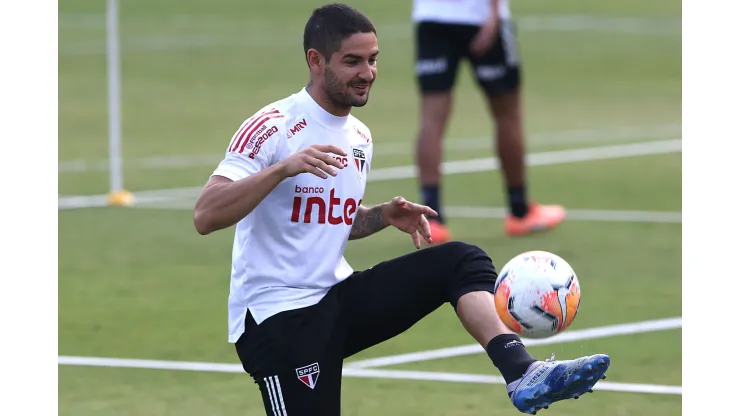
[(297, 127)]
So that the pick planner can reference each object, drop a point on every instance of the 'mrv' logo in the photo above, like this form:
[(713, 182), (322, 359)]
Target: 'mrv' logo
[(298, 127), (361, 134), (345, 210)]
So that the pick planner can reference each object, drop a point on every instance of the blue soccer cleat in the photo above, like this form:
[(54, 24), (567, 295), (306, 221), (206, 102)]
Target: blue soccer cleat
[(546, 382)]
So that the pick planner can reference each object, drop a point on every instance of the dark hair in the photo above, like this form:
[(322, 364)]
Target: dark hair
[(331, 24)]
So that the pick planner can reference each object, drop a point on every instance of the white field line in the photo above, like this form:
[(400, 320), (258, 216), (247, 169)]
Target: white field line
[(571, 214), (593, 215), (583, 136), (549, 22), (363, 368), (281, 39), (346, 372), (539, 159), (448, 168), (149, 364), (604, 24), (486, 379), (603, 136), (578, 335)]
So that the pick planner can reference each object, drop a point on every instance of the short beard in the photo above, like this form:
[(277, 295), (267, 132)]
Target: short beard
[(335, 92)]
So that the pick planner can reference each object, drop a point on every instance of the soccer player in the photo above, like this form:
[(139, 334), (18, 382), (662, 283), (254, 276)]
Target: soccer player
[(481, 32), (292, 180)]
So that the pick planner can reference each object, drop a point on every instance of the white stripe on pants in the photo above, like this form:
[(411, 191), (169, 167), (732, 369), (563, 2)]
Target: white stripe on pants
[(276, 396)]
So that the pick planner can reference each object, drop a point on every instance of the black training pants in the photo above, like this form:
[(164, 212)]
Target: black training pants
[(296, 356)]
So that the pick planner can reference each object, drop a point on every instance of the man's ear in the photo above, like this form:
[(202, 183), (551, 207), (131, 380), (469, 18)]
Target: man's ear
[(315, 59)]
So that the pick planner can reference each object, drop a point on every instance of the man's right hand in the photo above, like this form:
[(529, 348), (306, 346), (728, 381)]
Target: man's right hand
[(314, 159)]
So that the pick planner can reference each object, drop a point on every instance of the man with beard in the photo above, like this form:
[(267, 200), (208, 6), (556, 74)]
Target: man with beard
[(293, 180)]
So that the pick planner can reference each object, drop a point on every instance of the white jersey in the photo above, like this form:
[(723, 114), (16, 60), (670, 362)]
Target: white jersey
[(471, 12), (289, 251)]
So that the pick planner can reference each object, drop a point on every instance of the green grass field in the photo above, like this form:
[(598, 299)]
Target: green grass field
[(141, 283)]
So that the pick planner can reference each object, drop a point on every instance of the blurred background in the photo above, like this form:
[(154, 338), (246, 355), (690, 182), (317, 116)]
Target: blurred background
[(602, 85)]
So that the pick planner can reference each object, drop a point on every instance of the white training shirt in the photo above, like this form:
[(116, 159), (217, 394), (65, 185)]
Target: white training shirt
[(472, 12), (289, 251)]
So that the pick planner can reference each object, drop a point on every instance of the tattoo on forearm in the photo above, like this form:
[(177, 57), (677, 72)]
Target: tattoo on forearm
[(367, 221)]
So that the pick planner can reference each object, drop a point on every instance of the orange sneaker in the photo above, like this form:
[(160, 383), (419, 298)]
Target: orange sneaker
[(440, 232), (539, 218)]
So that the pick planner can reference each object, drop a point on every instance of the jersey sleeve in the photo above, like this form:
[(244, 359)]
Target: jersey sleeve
[(370, 157), (254, 146)]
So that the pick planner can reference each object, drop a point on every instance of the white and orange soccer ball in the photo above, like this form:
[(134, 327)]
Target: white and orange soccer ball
[(537, 294)]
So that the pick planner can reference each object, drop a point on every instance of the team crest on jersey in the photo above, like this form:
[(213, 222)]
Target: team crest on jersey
[(309, 375), (360, 161)]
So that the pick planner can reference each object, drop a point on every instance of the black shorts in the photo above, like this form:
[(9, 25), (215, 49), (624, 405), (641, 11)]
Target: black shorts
[(441, 46), (296, 356)]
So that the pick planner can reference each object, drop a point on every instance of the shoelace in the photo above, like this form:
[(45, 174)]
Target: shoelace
[(542, 369)]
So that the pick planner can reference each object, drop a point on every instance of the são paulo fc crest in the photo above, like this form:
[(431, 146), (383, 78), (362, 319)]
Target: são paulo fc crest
[(309, 375), (360, 161)]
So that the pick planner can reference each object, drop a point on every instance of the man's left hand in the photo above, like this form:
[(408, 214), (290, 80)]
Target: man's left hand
[(410, 218)]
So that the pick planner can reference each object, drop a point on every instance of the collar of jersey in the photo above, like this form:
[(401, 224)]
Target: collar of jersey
[(319, 114)]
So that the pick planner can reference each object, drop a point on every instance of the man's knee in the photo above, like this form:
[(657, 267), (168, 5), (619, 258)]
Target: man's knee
[(471, 265), (462, 250), (435, 108), (506, 105)]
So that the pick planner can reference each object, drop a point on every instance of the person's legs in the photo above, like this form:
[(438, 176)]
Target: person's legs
[(524, 216), (389, 298), (435, 111), (509, 138), (295, 357), (437, 60), (499, 75)]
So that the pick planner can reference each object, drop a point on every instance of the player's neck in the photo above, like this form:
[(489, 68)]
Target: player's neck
[(324, 102)]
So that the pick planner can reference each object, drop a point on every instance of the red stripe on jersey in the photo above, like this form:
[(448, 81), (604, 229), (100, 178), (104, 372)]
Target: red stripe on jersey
[(246, 126), (248, 136), (239, 133)]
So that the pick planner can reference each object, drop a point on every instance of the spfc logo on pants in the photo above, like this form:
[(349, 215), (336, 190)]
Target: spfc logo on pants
[(360, 161), (309, 375)]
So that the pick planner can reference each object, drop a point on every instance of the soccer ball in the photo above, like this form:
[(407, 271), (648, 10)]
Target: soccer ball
[(537, 294)]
